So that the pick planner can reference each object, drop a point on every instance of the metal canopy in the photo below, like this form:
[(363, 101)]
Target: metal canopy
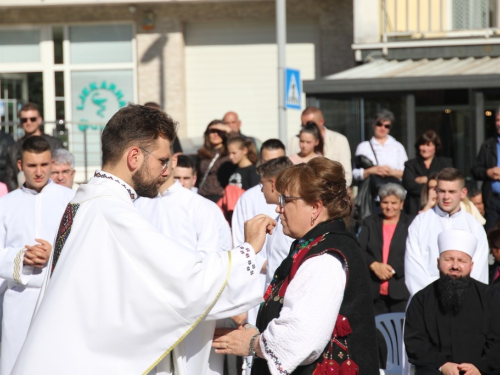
[(394, 75)]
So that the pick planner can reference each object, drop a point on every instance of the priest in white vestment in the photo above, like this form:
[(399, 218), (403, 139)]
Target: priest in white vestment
[(421, 245), (196, 223), (27, 216), (122, 295)]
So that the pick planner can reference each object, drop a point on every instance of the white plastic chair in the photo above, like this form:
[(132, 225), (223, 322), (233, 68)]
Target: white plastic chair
[(391, 327)]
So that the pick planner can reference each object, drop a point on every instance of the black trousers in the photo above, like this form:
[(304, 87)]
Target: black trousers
[(492, 214)]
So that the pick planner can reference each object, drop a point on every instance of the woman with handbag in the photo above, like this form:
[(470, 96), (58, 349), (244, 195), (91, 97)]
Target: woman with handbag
[(214, 166), (387, 155), (317, 317)]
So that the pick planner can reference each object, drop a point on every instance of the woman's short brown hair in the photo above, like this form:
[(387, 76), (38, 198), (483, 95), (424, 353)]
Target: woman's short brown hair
[(430, 136), (320, 179)]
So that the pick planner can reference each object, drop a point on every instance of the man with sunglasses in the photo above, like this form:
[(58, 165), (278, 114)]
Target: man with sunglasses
[(31, 121)]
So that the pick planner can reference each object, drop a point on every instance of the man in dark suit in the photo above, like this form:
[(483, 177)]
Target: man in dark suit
[(494, 243), (383, 239), (487, 168), (31, 121)]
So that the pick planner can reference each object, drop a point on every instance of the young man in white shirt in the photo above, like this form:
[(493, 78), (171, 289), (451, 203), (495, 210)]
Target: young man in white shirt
[(29, 220), (421, 244), (185, 172), (278, 244)]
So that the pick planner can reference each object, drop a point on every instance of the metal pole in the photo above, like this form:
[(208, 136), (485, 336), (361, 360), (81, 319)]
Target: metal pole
[(281, 42)]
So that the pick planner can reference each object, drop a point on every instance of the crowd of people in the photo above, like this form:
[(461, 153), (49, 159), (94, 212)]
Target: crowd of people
[(251, 255)]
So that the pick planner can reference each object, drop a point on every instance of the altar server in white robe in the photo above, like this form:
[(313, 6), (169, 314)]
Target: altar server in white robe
[(252, 203), (29, 219), (421, 244), (121, 295), (278, 244), (196, 223)]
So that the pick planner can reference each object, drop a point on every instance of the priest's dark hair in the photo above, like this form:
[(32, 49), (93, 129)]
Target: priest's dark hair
[(184, 161), (322, 180), (35, 144), (272, 144), (134, 125), (274, 166), (451, 174)]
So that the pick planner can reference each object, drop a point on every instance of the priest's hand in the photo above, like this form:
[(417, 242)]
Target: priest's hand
[(37, 255), (469, 369), (256, 230), (382, 271), (233, 341), (450, 368)]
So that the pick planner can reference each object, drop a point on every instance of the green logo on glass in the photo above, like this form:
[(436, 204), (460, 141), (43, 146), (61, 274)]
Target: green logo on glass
[(96, 97)]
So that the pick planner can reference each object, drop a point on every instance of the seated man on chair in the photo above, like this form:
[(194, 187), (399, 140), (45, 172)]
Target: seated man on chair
[(452, 325)]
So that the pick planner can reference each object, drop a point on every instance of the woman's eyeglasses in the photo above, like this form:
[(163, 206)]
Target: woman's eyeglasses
[(282, 199), (379, 123)]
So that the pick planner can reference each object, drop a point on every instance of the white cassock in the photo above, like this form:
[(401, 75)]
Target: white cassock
[(251, 204), (422, 247), (24, 216), (277, 248), (123, 295), (196, 223)]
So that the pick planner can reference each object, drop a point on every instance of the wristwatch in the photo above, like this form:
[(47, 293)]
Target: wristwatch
[(252, 345)]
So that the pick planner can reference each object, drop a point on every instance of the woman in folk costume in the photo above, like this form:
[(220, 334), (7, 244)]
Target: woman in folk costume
[(317, 317)]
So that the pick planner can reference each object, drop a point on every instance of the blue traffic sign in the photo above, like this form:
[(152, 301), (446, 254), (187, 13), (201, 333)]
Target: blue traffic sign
[(293, 88)]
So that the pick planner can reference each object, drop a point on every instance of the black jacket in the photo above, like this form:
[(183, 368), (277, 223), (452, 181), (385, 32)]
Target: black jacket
[(371, 241), (6, 141), (416, 168), (493, 269), (487, 158), (14, 154), (433, 337)]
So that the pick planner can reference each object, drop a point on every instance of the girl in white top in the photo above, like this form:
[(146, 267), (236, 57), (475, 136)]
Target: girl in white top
[(310, 142)]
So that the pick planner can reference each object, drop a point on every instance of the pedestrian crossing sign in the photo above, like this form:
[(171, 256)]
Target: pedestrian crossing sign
[(293, 88)]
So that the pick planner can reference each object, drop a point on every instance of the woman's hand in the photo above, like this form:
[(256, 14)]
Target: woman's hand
[(431, 200), (221, 127), (421, 180), (382, 271), (233, 341), (379, 170)]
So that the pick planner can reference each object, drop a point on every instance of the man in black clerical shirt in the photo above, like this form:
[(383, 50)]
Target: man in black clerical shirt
[(452, 325)]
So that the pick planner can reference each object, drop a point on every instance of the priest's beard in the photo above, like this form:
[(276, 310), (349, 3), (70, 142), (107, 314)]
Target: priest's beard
[(452, 292), (144, 184)]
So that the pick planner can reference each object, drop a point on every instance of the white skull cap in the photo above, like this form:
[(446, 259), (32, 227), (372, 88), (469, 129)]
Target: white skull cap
[(456, 239)]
